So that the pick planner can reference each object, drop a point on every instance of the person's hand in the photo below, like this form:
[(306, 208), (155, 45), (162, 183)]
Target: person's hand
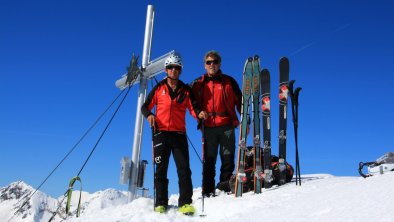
[(203, 115), (151, 121)]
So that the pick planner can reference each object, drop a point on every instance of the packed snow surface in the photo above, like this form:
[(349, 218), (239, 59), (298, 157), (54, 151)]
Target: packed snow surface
[(321, 197)]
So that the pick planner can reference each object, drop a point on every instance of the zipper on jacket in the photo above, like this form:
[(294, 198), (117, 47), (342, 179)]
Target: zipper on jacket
[(169, 119), (213, 102)]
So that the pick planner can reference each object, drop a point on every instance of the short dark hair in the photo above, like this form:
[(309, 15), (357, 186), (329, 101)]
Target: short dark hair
[(213, 53)]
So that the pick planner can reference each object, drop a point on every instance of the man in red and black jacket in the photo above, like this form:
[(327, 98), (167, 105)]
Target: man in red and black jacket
[(171, 97), (218, 96)]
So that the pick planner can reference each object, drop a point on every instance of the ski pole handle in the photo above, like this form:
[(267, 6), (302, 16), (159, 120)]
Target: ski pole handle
[(296, 93), (291, 87)]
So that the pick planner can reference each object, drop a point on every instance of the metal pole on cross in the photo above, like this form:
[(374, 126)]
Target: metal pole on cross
[(149, 69)]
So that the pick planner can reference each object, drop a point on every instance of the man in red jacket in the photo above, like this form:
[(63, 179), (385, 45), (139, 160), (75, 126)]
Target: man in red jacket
[(218, 95), (171, 97)]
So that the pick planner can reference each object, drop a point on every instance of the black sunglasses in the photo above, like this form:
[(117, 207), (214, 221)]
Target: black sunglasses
[(210, 62), (174, 67)]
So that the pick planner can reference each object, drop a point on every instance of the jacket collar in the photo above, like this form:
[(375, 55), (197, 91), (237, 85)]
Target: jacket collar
[(217, 77)]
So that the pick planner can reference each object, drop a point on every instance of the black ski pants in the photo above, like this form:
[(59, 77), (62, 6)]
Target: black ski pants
[(164, 143), (220, 138)]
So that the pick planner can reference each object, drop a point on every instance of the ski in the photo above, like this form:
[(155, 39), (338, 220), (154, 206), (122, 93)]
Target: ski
[(256, 125), (266, 108), (240, 177), (283, 95)]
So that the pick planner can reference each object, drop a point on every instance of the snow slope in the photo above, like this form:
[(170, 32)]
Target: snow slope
[(321, 197)]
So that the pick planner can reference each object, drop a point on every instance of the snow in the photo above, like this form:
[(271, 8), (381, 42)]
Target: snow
[(321, 197), (36, 210)]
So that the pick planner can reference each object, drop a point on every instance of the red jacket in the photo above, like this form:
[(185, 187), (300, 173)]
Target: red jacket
[(218, 96), (170, 106)]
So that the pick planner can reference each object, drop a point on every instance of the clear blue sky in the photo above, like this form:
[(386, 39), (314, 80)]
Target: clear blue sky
[(59, 61)]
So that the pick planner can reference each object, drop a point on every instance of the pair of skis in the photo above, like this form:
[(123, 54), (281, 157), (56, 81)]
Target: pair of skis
[(250, 92), (252, 80), (266, 108)]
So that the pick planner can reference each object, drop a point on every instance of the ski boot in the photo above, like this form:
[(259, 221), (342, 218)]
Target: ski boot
[(160, 209), (187, 209)]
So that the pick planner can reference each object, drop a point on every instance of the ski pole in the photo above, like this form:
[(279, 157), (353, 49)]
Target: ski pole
[(202, 162), (294, 110), (298, 171), (154, 168), (291, 93)]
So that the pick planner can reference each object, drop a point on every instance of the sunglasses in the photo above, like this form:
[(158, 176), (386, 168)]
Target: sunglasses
[(210, 62), (174, 67)]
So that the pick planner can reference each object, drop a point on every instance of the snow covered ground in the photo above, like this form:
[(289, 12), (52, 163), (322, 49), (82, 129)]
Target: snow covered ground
[(321, 197)]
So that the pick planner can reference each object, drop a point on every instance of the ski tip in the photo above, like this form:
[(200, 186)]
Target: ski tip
[(256, 57), (247, 63), (284, 69), (250, 59), (264, 70), (284, 60)]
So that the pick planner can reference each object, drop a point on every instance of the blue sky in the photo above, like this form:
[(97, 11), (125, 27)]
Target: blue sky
[(59, 61)]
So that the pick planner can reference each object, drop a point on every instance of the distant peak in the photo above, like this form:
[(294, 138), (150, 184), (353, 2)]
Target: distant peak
[(15, 190)]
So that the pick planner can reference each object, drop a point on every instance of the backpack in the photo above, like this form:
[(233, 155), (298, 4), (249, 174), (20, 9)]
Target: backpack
[(229, 186)]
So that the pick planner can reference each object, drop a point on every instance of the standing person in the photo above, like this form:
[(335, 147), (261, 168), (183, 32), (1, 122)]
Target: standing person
[(218, 95), (171, 97)]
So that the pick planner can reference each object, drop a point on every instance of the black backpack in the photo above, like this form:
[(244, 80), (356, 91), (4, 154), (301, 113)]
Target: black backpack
[(229, 186)]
